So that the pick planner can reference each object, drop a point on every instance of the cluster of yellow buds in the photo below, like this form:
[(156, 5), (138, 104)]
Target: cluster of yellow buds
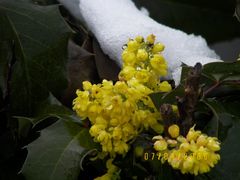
[(194, 154), (118, 112), (111, 171), (143, 61)]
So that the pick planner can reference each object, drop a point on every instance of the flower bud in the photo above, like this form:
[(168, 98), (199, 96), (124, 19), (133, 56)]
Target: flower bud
[(151, 39), (158, 48), (188, 163), (160, 145), (142, 55), (139, 39), (173, 130)]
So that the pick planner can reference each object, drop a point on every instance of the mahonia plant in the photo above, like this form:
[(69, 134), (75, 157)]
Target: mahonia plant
[(119, 111), (194, 154)]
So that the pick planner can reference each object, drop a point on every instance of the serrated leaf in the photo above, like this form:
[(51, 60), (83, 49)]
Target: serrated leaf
[(57, 153), (40, 35), (48, 111)]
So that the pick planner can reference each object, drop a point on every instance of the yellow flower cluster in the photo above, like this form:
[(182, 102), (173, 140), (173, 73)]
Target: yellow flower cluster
[(144, 62), (118, 112), (195, 154), (111, 171)]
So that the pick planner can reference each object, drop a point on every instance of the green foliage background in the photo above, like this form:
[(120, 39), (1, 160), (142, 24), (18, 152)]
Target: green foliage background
[(42, 138)]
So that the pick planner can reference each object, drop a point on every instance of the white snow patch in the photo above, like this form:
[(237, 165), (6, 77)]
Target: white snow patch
[(144, 11), (113, 22)]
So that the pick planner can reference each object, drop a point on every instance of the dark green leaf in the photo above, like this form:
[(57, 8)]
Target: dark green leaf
[(222, 71), (40, 35), (47, 112), (57, 153), (221, 122), (167, 98), (228, 167), (156, 98)]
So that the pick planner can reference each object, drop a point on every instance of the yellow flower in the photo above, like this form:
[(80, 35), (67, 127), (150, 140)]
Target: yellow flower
[(96, 129), (129, 58), (87, 85), (120, 147), (118, 112), (151, 39), (133, 45), (117, 133), (195, 154), (160, 145), (159, 65), (139, 39), (165, 87), (202, 140), (213, 144), (188, 163), (142, 55), (158, 48), (193, 135), (142, 76), (127, 73), (103, 137), (173, 130)]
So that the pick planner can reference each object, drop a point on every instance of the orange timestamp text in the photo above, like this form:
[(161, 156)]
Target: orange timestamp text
[(148, 156)]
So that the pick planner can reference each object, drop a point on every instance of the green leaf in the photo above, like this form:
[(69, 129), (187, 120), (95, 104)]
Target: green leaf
[(167, 98), (198, 17), (58, 152), (219, 125), (40, 35), (228, 167), (48, 111), (222, 71), (226, 122)]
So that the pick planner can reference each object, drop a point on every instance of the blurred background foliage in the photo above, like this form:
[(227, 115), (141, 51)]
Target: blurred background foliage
[(214, 20)]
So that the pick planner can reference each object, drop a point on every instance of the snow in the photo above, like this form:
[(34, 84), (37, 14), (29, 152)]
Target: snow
[(113, 22)]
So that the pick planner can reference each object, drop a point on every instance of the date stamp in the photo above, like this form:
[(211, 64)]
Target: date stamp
[(150, 156)]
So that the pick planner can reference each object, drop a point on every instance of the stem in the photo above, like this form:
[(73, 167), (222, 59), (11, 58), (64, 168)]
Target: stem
[(187, 103), (211, 88)]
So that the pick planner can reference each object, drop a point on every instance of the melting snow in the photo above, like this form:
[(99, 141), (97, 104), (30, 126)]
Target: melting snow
[(113, 22)]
